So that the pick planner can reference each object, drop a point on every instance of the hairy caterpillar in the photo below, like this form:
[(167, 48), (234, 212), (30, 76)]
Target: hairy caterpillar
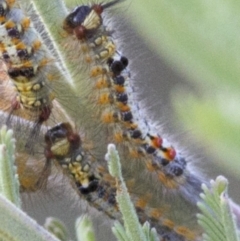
[(64, 146), (114, 103), (33, 80)]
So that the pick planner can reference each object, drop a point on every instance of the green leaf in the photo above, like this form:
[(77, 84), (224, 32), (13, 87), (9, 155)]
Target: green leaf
[(84, 229), (57, 228), (17, 226), (9, 184), (133, 230), (218, 223)]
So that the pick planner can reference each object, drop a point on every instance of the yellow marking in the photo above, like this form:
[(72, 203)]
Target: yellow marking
[(36, 87), (2, 47), (20, 79), (103, 54), (107, 52), (10, 3), (92, 21), (123, 107), (20, 45), (2, 19), (36, 45), (75, 168), (168, 223), (79, 175), (98, 41), (24, 89), (102, 83), (36, 103), (156, 213), (86, 168), (142, 202), (108, 118), (10, 24), (104, 99), (166, 181), (185, 232), (129, 124), (45, 61), (150, 166), (118, 137), (26, 23), (119, 88), (26, 64), (61, 148), (15, 41), (28, 88), (134, 153), (97, 70)]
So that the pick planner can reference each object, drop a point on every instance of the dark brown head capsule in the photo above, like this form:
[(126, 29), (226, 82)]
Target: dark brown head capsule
[(58, 133), (74, 22), (84, 20)]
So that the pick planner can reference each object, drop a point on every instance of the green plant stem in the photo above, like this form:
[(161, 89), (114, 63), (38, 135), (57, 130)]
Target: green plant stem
[(9, 184), (17, 226), (133, 228)]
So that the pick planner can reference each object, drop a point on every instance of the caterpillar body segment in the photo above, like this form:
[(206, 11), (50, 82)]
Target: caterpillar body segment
[(14, 24), (20, 52)]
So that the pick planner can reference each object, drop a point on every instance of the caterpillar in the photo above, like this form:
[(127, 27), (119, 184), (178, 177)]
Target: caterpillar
[(112, 98), (33, 82), (94, 184)]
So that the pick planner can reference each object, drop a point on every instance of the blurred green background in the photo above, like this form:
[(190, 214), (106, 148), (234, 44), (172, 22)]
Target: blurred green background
[(185, 60)]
